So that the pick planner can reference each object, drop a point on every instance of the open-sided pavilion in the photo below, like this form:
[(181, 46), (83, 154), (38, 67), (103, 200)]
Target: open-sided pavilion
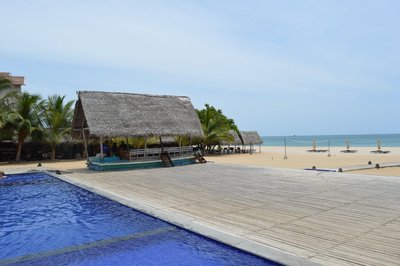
[(114, 114)]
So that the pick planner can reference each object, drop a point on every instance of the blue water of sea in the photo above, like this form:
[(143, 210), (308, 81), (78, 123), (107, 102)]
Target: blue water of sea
[(386, 140), (45, 221)]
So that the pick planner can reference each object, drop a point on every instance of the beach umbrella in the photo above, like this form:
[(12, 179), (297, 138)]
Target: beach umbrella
[(347, 144), (378, 144), (314, 144)]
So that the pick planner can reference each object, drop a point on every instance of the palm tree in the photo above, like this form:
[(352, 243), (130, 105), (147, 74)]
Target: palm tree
[(5, 83), (7, 113), (24, 118), (215, 126), (3, 111), (56, 121)]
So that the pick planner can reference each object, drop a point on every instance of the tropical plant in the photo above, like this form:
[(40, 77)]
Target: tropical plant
[(5, 83), (56, 121), (215, 126), (6, 114), (24, 118), (3, 112)]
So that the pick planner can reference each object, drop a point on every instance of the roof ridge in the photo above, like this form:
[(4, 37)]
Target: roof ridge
[(133, 93)]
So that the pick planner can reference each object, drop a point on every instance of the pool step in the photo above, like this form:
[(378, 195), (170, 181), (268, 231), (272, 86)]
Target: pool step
[(200, 158), (166, 159)]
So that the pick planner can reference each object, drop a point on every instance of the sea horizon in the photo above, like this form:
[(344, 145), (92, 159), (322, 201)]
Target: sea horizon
[(355, 140)]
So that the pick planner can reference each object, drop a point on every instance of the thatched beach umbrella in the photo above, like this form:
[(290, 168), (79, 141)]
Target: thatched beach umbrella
[(236, 139), (235, 142), (251, 138), (314, 144)]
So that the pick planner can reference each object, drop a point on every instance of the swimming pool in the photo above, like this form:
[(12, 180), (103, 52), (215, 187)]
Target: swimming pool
[(46, 221)]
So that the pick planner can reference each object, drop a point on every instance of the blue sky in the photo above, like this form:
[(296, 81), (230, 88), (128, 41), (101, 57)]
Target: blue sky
[(279, 67)]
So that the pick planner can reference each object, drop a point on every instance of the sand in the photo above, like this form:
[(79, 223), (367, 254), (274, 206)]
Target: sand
[(298, 158)]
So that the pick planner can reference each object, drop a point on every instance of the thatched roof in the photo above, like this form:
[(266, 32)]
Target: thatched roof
[(251, 137), (115, 114), (236, 141)]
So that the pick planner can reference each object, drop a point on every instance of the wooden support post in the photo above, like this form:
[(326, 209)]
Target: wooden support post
[(162, 145), (285, 157), (84, 138), (86, 155), (180, 145), (101, 149), (145, 147)]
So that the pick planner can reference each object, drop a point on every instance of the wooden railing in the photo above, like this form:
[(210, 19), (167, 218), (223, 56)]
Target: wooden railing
[(156, 152)]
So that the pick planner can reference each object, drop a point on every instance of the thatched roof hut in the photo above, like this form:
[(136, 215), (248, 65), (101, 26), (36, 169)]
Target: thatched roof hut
[(114, 114), (237, 141), (251, 137)]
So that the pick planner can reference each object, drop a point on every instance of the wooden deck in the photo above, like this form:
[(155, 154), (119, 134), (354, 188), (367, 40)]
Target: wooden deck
[(295, 217)]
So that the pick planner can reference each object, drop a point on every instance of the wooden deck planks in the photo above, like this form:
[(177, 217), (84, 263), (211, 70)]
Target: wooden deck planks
[(328, 218)]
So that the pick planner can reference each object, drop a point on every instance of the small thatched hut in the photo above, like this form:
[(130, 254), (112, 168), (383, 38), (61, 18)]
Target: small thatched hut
[(114, 114), (251, 138)]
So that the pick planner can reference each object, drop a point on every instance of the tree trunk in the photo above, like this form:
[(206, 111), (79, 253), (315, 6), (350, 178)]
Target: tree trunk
[(84, 153), (53, 152), (19, 149)]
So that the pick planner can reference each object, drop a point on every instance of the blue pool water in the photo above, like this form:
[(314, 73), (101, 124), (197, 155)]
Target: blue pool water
[(45, 221)]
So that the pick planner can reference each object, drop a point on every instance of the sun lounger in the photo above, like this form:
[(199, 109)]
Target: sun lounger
[(313, 150), (349, 151), (380, 152)]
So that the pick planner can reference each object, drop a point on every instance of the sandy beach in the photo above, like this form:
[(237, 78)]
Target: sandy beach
[(273, 157), (299, 158)]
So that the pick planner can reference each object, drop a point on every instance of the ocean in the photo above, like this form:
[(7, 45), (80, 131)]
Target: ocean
[(387, 140)]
